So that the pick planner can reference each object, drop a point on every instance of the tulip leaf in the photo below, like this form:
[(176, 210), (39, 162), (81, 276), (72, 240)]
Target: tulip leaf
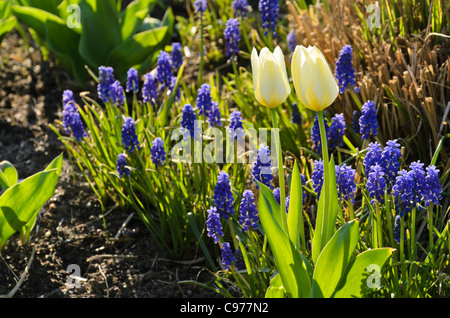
[(55, 164), (133, 15), (275, 290), (363, 273), (327, 211), (19, 202), (292, 266), (333, 260), (8, 175), (274, 207), (295, 216)]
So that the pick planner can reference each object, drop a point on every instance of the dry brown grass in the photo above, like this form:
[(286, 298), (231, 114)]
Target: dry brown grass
[(407, 76)]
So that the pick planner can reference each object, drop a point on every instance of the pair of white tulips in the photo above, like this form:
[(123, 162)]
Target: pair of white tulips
[(314, 83)]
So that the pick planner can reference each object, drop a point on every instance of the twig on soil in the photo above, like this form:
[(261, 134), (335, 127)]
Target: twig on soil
[(22, 278), (124, 224), (97, 257), (106, 280)]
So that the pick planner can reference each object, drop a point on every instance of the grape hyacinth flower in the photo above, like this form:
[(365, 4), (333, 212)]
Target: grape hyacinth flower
[(269, 15), (390, 160), (200, 6), (213, 225), (248, 214), (397, 229), (317, 177), (240, 8), (262, 168), (345, 73), (291, 40), (236, 129), (176, 56), (368, 124), (345, 181), (164, 72), (203, 101), (71, 117), (434, 189), (129, 137), (232, 38), (189, 121), (336, 131), (223, 197), (150, 89), (296, 117), (239, 262), (121, 165), (227, 255), (158, 154), (117, 96), (276, 195), (376, 184), (315, 134), (373, 156), (105, 80), (214, 115), (132, 80), (288, 200)]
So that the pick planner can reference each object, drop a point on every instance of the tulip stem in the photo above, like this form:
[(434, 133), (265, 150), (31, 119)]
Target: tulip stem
[(280, 171), (323, 140)]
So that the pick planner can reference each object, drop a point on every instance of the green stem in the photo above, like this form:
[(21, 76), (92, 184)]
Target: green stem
[(380, 237), (431, 230), (413, 234), (200, 71), (280, 171)]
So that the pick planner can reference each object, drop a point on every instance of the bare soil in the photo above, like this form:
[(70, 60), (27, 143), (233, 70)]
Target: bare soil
[(71, 228)]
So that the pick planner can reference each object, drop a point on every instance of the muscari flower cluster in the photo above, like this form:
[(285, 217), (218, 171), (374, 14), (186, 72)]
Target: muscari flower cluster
[(213, 225), (345, 73), (176, 56), (223, 197), (150, 89), (200, 6), (291, 40), (214, 117), (121, 165), (227, 255), (334, 131), (109, 90), (236, 128), (296, 117), (262, 168), (345, 180), (158, 154), (232, 38), (368, 124), (203, 101), (71, 117), (189, 122), (129, 138), (240, 8), (269, 15), (248, 213), (132, 80)]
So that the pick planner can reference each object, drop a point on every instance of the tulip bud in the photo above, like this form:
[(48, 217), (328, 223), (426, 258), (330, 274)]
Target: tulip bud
[(270, 80), (314, 83)]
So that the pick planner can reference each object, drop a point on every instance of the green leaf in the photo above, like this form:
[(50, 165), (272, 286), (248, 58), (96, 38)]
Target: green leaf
[(136, 49), (8, 175), (326, 212), (101, 31), (295, 215), (19, 202), (7, 25), (275, 290), (333, 260), (133, 15), (291, 265), (361, 272), (55, 164)]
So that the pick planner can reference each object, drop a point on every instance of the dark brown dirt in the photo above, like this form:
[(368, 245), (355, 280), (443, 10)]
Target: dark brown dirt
[(71, 228)]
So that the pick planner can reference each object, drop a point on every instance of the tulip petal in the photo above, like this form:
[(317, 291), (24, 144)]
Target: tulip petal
[(271, 83), (279, 57)]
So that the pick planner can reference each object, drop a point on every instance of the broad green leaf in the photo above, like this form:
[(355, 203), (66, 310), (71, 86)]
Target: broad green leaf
[(295, 215), (290, 263), (274, 207), (8, 175), (101, 31), (333, 260), (69, 11), (133, 15), (363, 273), (275, 290), (55, 164), (326, 212), (19, 202), (136, 49), (35, 18), (46, 5), (7, 25)]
